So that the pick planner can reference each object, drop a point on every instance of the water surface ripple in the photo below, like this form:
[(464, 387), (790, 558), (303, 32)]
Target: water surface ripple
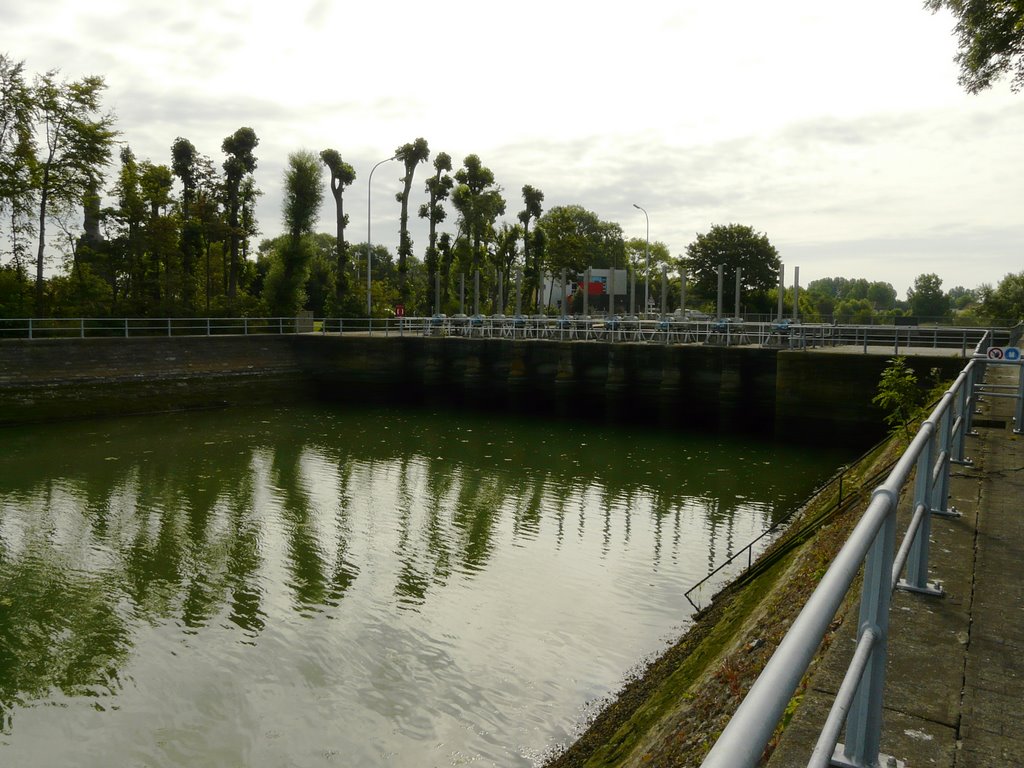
[(320, 587)]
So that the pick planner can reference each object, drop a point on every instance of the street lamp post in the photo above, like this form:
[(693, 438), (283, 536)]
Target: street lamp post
[(647, 261), (369, 244)]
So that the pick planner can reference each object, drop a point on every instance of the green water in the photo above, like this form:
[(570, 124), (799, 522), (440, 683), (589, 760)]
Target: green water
[(321, 587)]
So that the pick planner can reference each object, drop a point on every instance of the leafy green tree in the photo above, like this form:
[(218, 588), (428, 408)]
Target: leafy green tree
[(78, 141), (128, 245), (411, 155), (342, 176), (991, 39), (479, 202), (446, 257), (533, 201), (438, 188), (239, 163), (927, 299), (15, 291), (302, 200), (637, 254), (1006, 301), (898, 395), (385, 279), (17, 160), (734, 245), (853, 311), (185, 166), (506, 257), (881, 295), (576, 238)]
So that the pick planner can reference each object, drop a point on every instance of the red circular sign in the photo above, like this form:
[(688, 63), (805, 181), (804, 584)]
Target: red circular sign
[(399, 310)]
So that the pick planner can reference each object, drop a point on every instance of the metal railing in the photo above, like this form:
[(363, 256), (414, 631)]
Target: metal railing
[(858, 704), (665, 329), (844, 497), (129, 327)]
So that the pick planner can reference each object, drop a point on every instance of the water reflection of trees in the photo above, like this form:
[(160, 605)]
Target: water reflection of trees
[(170, 520)]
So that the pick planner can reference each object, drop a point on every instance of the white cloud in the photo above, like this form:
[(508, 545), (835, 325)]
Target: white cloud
[(837, 130)]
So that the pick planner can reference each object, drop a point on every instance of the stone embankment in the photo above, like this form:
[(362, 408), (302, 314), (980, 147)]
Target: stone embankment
[(795, 394)]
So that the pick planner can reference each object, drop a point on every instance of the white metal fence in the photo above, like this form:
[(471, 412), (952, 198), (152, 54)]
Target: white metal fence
[(667, 329)]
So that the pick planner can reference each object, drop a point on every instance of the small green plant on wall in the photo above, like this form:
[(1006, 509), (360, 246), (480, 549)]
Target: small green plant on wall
[(899, 395)]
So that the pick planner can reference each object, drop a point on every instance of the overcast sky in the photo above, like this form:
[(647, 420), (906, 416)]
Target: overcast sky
[(837, 129)]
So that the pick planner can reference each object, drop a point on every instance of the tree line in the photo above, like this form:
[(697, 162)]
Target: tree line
[(145, 238)]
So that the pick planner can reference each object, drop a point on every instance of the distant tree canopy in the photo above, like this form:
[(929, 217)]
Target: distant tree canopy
[(732, 246), (145, 238), (991, 38), (927, 299), (1005, 302), (576, 238)]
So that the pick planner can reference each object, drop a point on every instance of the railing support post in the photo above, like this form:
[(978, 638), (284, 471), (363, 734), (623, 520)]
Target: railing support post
[(940, 505), (917, 563), (1019, 412), (864, 723)]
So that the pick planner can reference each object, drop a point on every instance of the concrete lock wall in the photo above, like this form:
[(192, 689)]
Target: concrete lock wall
[(795, 394)]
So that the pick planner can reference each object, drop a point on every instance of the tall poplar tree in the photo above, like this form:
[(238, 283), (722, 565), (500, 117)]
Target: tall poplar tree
[(533, 199), (411, 155), (342, 175), (184, 165), (479, 203), (239, 163), (303, 197), (438, 188)]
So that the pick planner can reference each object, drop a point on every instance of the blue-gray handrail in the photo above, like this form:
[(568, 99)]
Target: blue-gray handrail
[(938, 443)]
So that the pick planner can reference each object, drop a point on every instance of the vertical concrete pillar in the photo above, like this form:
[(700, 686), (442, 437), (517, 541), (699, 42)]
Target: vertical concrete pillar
[(739, 282), (682, 293), (718, 316), (664, 291), (586, 292), (796, 294), (782, 287), (632, 292)]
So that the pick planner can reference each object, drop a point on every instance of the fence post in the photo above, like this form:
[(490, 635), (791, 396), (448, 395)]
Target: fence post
[(168, 326), (126, 327), (81, 327), (963, 403), (941, 496), (924, 492), (1019, 412), (30, 328), (864, 723)]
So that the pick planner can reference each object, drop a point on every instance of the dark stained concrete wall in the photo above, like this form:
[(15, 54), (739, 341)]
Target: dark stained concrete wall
[(798, 394), (49, 379)]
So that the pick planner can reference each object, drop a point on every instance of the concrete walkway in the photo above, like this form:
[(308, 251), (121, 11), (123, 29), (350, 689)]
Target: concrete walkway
[(955, 678)]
